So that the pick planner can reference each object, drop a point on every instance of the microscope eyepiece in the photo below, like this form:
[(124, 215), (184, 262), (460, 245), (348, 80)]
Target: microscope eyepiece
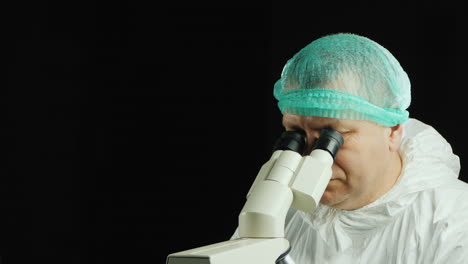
[(290, 140), (329, 140)]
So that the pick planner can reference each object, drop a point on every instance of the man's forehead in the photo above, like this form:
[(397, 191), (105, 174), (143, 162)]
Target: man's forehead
[(315, 122), (297, 120)]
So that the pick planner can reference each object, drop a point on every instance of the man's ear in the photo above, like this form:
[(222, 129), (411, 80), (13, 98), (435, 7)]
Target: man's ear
[(394, 137)]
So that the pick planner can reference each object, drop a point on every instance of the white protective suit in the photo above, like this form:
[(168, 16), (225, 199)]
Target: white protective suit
[(422, 219)]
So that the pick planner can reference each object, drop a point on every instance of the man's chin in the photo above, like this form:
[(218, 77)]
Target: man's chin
[(332, 196), (327, 200)]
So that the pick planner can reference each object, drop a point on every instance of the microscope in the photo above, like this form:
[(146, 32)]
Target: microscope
[(286, 180)]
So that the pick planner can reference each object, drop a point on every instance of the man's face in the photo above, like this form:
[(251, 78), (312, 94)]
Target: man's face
[(365, 166)]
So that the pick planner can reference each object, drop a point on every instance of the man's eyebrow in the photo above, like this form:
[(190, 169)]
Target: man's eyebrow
[(335, 122), (294, 128), (286, 124)]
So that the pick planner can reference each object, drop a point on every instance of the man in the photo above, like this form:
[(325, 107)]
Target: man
[(394, 196)]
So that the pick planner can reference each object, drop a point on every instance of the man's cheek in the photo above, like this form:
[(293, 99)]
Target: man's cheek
[(338, 172), (351, 140)]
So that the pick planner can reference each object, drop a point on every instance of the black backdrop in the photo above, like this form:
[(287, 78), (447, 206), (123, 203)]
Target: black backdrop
[(134, 131)]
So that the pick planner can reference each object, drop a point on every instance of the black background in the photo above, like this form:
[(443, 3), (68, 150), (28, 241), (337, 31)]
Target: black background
[(135, 130)]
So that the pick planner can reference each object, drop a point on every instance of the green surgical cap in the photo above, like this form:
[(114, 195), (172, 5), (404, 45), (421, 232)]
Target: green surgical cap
[(345, 76)]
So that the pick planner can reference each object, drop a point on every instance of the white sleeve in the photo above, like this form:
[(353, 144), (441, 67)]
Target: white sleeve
[(450, 241)]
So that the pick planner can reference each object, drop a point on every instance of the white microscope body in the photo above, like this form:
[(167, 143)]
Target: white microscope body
[(286, 180)]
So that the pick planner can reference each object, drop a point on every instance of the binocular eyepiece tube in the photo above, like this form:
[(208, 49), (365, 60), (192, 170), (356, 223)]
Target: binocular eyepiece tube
[(329, 140)]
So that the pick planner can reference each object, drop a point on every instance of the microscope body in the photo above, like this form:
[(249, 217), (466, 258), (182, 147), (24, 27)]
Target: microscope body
[(287, 180)]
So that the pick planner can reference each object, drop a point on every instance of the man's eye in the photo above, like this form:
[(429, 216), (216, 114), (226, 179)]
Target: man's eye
[(342, 130)]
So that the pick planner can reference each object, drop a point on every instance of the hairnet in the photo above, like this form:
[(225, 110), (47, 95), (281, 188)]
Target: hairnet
[(345, 76)]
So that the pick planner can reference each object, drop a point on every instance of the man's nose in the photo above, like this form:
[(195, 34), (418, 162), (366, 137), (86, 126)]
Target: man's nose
[(311, 139)]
